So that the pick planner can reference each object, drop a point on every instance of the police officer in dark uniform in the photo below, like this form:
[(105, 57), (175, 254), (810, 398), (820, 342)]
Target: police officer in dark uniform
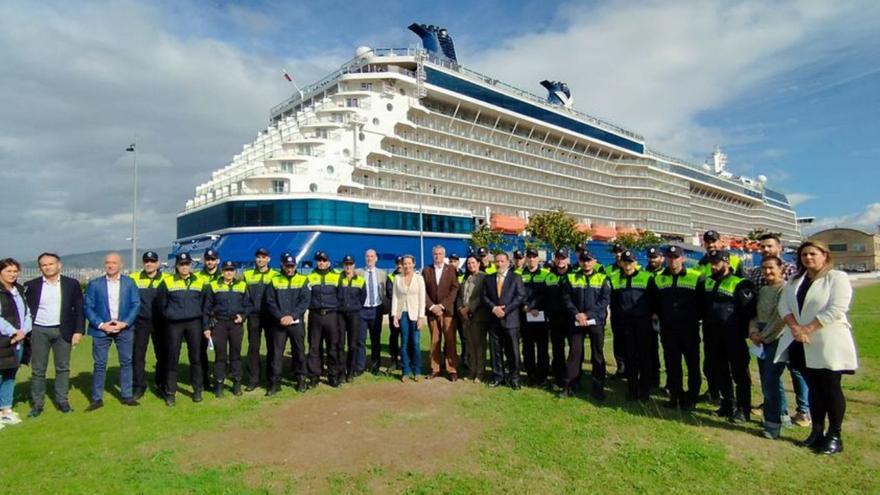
[(210, 271), (655, 260), (181, 299), (554, 285), (258, 279), (676, 294), (712, 242), (394, 337), (455, 261), (632, 307), (324, 321), (655, 265), (616, 249), (535, 334), (352, 296), (149, 325), (619, 344), (586, 300), (728, 306), (227, 304), (287, 300), (487, 264), (519, 262)]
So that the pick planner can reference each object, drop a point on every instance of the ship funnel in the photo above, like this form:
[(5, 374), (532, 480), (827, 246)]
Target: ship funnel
[(558, 93), (435, 40)]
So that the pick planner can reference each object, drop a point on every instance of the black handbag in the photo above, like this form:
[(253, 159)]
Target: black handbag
[(8, 359)]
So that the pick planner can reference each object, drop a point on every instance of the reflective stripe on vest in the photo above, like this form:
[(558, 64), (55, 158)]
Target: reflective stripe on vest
[(175, 283), (727, 285), (144, 282), (579, 280), (252, 276), (329, 278), (687, 281), (638, 281), (357, 282), (239, 286), (538, 277), (297, 281)]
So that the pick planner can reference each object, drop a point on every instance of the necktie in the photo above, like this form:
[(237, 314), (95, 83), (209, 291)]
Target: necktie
[(500, 281), (370, 293)]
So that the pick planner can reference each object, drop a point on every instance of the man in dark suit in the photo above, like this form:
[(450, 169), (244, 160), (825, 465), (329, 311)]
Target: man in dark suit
[(441, 289), (56, 305), (504, 294), (112, 307)]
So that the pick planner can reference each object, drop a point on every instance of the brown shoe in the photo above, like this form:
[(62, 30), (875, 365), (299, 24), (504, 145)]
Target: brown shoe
[(433, 375), (417, 378), (453, 377), (404, 379)]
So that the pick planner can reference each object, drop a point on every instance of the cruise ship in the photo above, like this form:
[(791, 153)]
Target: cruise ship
[(402, 149)]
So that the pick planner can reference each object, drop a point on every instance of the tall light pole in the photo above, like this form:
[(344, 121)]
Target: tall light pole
[(418, 188), (134, 201)]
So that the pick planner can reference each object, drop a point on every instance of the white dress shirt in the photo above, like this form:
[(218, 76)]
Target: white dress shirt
[(49, 309), (113, 297), (438, 273), (373, 299)]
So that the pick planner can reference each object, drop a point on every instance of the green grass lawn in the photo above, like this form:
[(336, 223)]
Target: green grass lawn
[(502, 441)]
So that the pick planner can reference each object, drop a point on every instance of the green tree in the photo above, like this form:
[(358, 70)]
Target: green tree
[(756, 234), (556, 229), (639, 241), (485, 237)]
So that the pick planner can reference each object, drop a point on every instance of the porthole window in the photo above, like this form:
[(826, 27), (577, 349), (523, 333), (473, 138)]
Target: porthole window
[(346, 153), (313, 187), (402, 92), (362, 136), (375, 121), (390, 107), (330, 170)]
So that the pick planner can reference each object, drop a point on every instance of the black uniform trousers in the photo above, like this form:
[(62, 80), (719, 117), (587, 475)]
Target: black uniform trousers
[(257, 325), (559, 328), (641, 352), (178, 331), (619, 344), (146, 329), (393, 342), (573, 364), (681, 343), (708, 368), (535, 351), (323, 327), (729, 365), (374, 328), (504, 349), (227, 336), (346, 346), (296, 334)]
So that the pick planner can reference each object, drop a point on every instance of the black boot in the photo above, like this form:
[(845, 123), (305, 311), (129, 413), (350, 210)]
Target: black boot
[(832, 445), (273, 389), (816, 438), (197, 395), (218, 390), (236, 388), (301, 384)]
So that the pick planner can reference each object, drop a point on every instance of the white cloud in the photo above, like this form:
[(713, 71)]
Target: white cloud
[(656, 66), (867, 220), (799, 198)]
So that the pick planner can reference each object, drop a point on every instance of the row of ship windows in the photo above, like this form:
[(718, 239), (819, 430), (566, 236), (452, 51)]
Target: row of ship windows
[(723, 206)]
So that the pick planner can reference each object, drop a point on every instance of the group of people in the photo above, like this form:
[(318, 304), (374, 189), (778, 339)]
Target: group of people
[(533, 316)]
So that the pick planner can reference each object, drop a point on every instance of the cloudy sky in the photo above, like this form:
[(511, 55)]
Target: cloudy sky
[(789, 89)]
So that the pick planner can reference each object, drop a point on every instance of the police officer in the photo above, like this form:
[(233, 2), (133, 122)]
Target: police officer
[(554, 285), (519, 262), (352, 296), (258, 279), (586, 300), (455, 262), (616, 249), (227, 304), (181, 299), (632, 307), (287, 300), (394, 337), (536, 336), (655, 260), (210, 271), (729, 304), (324, 321), (712, 241), (676, 294), (655, 265), (487, 264), (149, 325)]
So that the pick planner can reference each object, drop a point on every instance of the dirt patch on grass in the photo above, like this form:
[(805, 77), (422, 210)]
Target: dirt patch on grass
[(386, 427)]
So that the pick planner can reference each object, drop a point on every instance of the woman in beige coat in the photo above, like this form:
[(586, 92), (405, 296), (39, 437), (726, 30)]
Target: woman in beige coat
[(818, 339), (474, 317), (408, 313)]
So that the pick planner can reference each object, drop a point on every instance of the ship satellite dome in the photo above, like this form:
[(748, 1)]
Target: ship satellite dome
[(762, 179), (362, 51), (706, 167)]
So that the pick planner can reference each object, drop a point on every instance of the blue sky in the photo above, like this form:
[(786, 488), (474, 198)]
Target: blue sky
[(789, 89)]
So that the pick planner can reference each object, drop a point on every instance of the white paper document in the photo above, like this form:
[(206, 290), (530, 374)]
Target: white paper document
[(757, 350), (535, 319)]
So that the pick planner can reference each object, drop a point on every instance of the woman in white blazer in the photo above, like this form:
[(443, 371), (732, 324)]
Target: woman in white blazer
[(408, 313), (818, 339)]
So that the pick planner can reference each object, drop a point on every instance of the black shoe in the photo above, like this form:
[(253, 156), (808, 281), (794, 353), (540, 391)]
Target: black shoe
[(274, 389), (35, 412), (832, 445), (250, 388), (739, 417), (218, 390), (301, 385), (374, 368), (348, 378), (95, 405), (236, 389), (197, 395), (333, 381), (65, 408), (494, 383), (598, 393), (672, 403), (170, 400), (815, 440), (138, 394), (514, 384), (132, 402), (314, 381), (724, 412)]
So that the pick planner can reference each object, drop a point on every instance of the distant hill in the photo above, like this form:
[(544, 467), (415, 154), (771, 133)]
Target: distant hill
[(95, 259)]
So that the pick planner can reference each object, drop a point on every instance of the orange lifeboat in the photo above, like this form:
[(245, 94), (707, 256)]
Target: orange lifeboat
[(602, 232), (507, 224)]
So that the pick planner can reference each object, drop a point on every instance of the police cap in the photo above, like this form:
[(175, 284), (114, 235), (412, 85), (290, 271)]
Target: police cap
[(653, 252), (211, 254), (321, 256), (711, 236), (183, 259), (348, 259), (288, 259), (151, 256), (518, 255), (560, 253), (531, 252), (454, 256), (228, 265), (672, 251), (627, 256), (262, 252), (482, 252), (586, 255), (717, 255)]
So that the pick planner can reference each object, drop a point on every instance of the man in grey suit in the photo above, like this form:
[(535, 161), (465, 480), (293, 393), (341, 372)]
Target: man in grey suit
[(371, 315), (504, 294)]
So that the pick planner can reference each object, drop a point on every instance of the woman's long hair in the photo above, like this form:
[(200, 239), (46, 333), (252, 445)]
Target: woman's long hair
[(821, 246)]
